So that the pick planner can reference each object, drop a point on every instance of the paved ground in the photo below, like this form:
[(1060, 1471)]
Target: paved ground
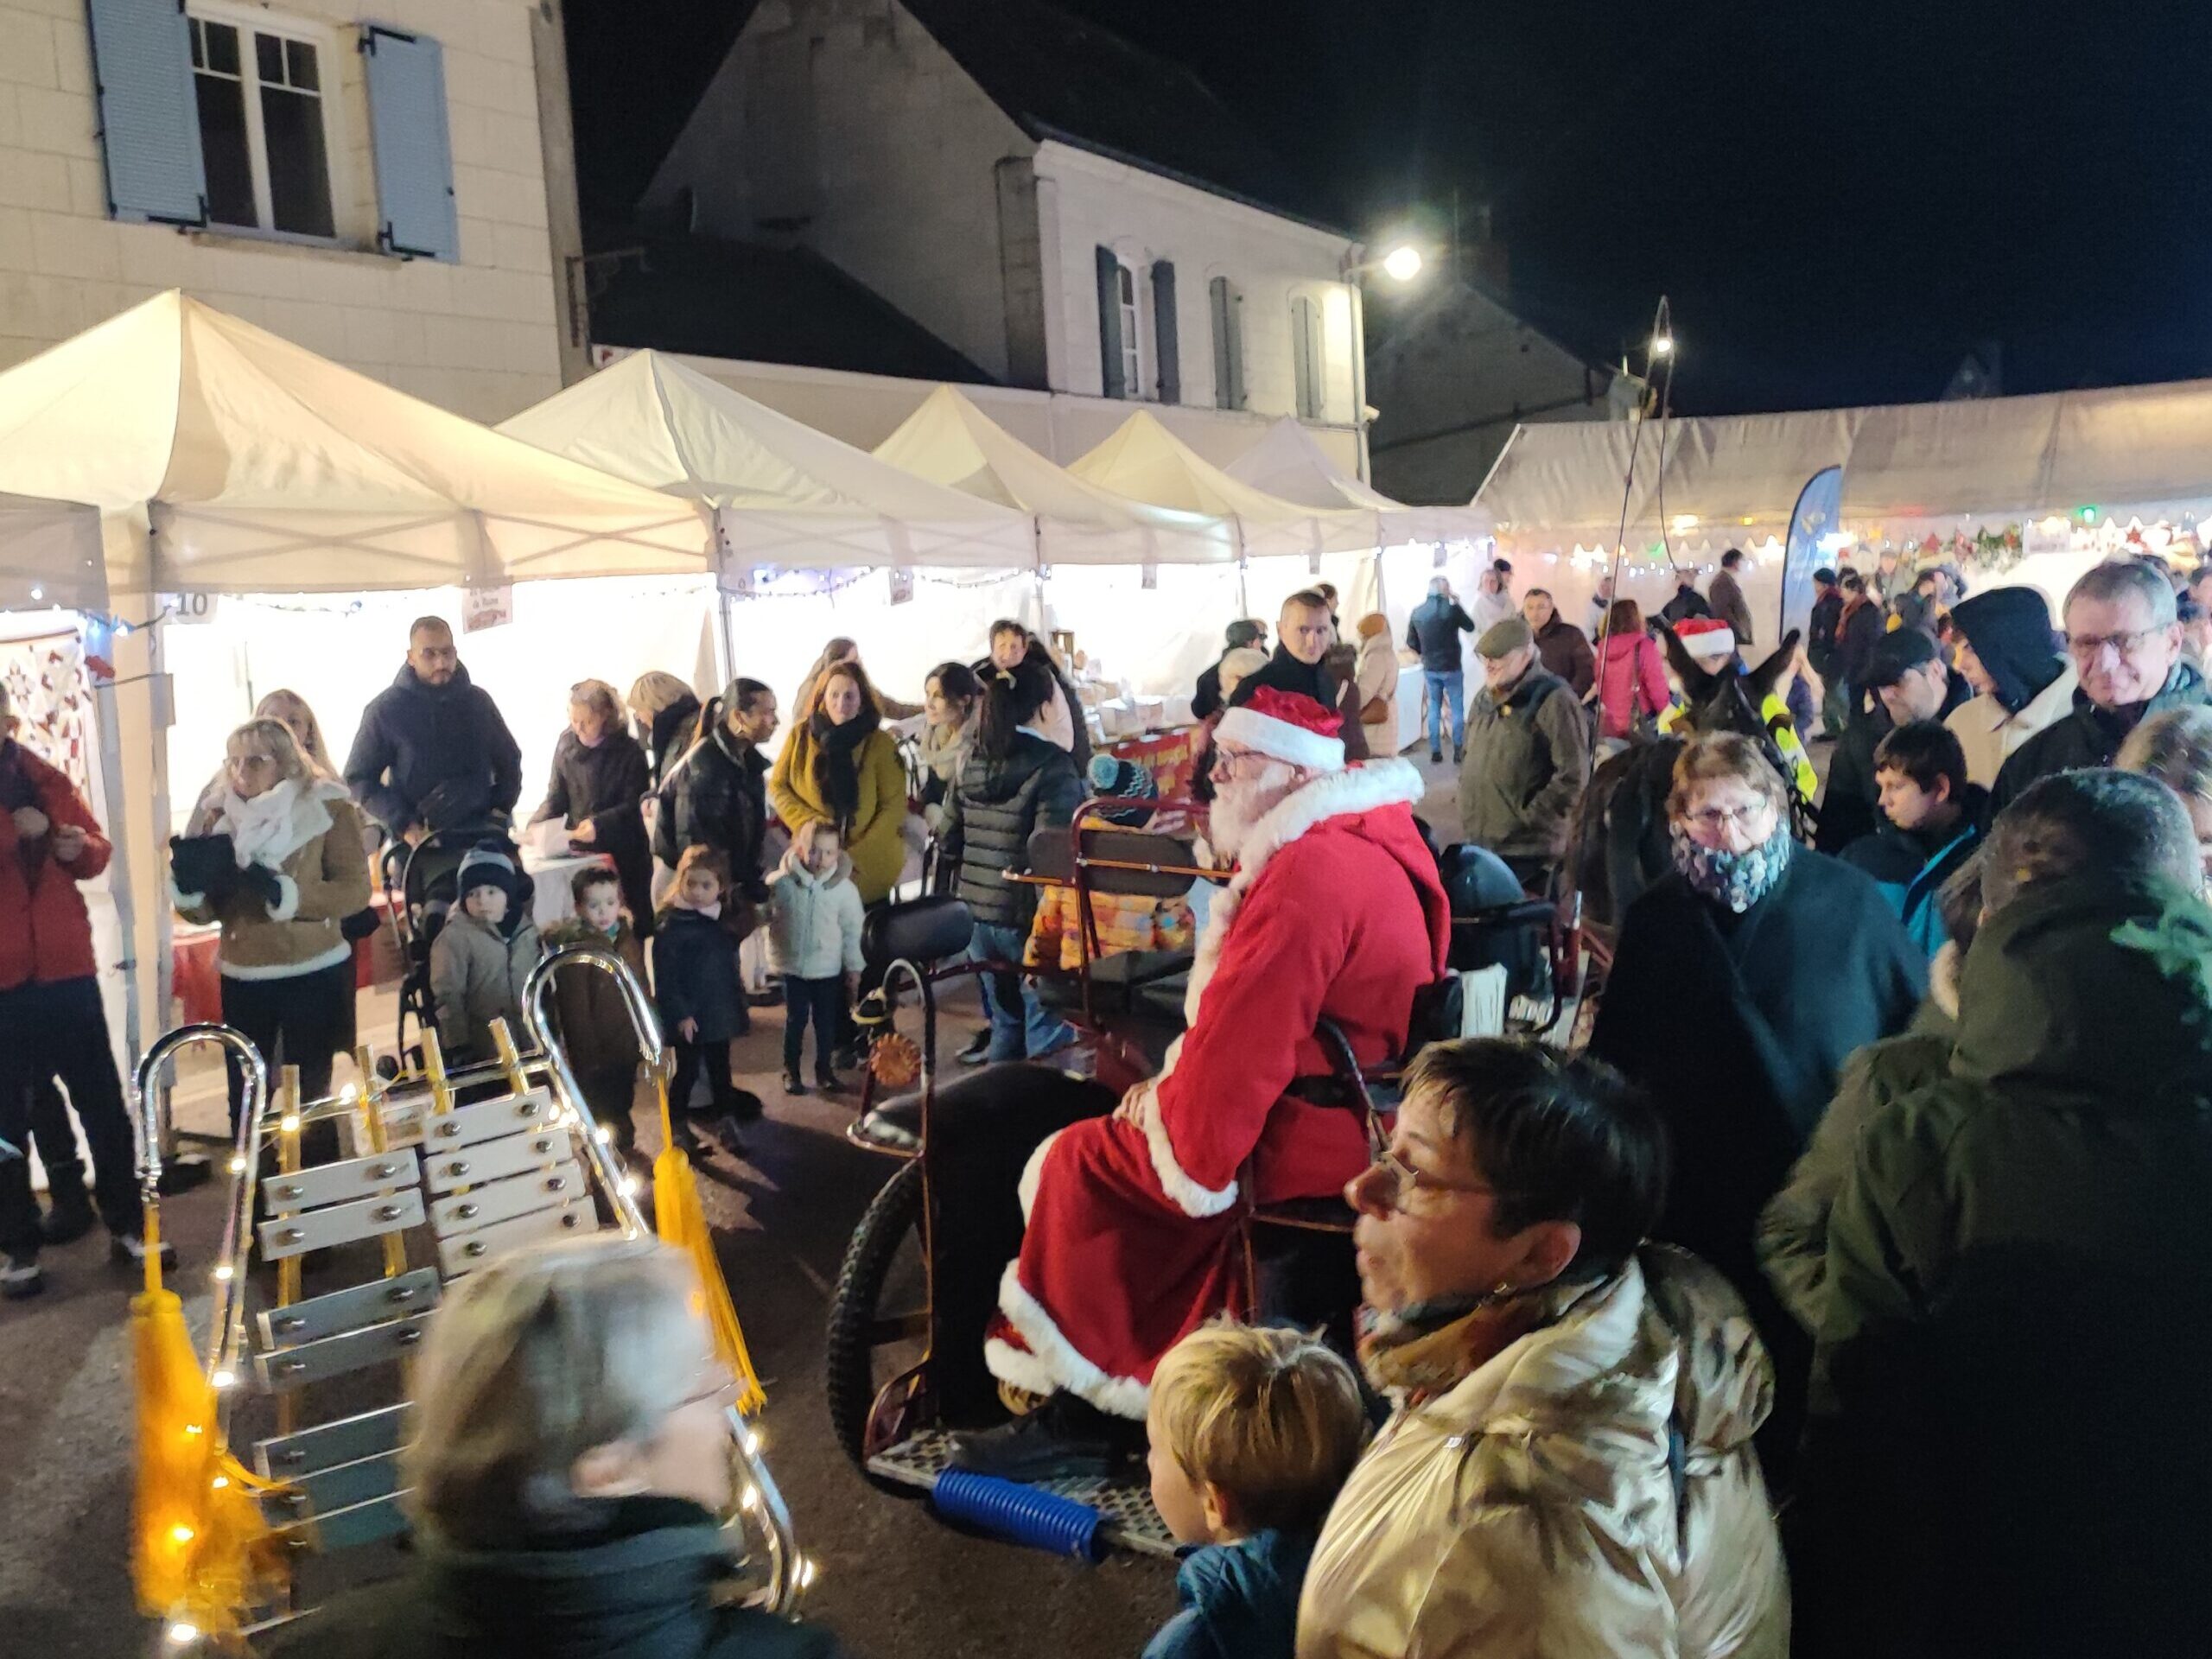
[(894, 1582)]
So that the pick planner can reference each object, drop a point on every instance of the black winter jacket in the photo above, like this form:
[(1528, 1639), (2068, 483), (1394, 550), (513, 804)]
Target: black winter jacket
[(434, 754), (695, 976), (2087, 737), (1433, 630), (986, 826), (639, 1584), (606, 785), (1820, 635), (718, 798)]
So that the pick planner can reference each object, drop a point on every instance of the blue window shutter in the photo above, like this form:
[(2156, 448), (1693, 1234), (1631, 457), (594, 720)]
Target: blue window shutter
[(1228, 344), (414, 155), (149, 114), (1163, 331), (1110, 325)]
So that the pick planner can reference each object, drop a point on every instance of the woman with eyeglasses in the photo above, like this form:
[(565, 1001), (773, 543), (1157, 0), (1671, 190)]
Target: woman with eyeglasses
[(1567, 1468), (1743, 981), (567, 1461)]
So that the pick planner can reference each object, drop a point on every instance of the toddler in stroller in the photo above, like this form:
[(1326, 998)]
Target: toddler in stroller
[(423, 885)]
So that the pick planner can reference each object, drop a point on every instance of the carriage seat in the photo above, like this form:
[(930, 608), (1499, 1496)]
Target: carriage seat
[(924, 932)]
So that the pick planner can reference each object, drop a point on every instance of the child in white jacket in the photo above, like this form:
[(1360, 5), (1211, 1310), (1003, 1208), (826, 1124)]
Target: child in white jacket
[(814, 942)]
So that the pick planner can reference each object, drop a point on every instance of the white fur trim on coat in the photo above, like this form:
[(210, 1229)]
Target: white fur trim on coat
[(1054, 1361), (1032, 1172), (1342, 794), (288, 899), (1267, 735), (1190, 1197)]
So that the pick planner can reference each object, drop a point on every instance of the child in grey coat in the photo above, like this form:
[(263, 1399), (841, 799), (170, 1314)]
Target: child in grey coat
[(478, 966)]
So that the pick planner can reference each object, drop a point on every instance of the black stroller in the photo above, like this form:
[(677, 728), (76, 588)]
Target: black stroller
[(419, 884)]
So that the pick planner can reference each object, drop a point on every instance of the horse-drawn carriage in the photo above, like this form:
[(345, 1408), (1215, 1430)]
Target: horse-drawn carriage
[(905, 1358), (270, 1470)]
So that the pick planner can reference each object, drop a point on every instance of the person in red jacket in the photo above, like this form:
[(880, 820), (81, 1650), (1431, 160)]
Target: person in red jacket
[(1132, 1221), (52, 1024)]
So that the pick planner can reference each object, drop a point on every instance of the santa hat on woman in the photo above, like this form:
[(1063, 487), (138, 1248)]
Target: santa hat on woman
[(1708, 640), (1287, 726)]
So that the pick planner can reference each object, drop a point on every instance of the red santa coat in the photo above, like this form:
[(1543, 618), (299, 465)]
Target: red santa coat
[(1132, 1237)]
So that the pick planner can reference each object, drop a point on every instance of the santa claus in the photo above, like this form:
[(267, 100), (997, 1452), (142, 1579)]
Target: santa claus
[(1132, 1221)]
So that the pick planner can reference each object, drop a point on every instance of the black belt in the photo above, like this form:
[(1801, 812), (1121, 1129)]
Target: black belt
[(1326, 1091)]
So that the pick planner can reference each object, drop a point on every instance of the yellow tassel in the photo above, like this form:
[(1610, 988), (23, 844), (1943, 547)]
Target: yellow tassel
[(683, 1224), (202, 1552)]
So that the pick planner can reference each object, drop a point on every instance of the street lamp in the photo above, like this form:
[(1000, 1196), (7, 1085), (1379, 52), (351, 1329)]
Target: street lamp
[(1402, 263), (1662, 345)]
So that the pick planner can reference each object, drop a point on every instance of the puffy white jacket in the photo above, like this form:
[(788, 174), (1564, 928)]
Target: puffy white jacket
[(1532, 1509), (1989, 732), (814, 921)]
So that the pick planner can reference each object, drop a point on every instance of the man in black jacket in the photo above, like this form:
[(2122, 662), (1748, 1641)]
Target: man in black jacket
[(1305, 632), (1687, 602), (716, 796), (2124, 638), (1820, 646), (1909, 681), (432, 752), (1207, 700), (1433, 630)]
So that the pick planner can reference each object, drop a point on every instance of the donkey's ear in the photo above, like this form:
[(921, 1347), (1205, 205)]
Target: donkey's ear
[(1768, 673), (1697, 684)]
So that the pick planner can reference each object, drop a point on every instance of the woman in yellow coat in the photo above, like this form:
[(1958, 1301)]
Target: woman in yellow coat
[(839, 767)]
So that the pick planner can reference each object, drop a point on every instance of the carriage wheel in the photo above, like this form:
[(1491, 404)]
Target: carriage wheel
[(879, 1312)]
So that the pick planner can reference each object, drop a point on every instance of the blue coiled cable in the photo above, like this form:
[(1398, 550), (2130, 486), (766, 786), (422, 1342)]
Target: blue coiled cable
[(1025, 1515)]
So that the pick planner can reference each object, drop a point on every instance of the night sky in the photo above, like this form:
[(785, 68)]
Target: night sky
[(1841, 200)]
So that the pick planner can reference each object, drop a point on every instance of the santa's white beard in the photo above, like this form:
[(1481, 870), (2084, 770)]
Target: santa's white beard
[(1239, 805)]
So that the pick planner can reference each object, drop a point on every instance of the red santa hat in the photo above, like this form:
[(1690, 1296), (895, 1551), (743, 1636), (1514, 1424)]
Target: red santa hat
[(1287, 725), (1707, 638)]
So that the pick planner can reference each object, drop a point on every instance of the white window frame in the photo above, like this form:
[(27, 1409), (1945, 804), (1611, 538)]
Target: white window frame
[(1129, 294), (250, 21)]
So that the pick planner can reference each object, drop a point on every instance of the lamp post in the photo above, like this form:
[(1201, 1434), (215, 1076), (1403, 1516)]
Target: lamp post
[(1401, 265)]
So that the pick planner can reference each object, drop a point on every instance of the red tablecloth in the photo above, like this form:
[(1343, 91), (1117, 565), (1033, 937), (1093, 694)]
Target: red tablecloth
[(1166, 755)]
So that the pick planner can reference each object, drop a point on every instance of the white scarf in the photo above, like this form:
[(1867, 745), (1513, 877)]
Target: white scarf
[(274, 824)]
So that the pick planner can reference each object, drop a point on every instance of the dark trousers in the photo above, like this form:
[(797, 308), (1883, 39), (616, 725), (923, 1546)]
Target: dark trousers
[(60, 1030), (821, 1000), (715, 1057), (300, 1021), (612, 1094)]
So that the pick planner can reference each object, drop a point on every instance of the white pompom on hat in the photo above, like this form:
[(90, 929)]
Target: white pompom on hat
[(1287, 726), (1707, 638)]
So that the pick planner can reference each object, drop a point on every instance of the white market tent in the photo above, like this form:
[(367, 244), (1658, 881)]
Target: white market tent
[(1145, 461), (951, 442), (784, 495), (50, 555), (2072, 472), (258, 467), (225, 460), (1290, 465)]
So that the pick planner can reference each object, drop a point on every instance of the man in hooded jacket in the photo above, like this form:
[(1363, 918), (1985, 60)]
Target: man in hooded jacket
[(2019, 669), (2007, 1453)]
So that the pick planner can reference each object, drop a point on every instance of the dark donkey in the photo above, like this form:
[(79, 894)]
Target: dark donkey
[(1618, 845)]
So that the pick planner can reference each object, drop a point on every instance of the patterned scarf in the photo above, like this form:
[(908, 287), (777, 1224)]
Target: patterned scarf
[(1735, 881), (1429, 1350)]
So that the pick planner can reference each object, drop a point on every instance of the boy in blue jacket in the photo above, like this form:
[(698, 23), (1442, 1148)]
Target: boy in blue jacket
[(1934, 822), (1253, 1431)]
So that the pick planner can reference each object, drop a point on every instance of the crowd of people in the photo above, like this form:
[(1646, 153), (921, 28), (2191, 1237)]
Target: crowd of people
[(1838, 1297)]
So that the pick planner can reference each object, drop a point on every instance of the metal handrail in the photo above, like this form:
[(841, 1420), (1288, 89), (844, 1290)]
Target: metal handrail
[(788, 1573), (226, 1329)]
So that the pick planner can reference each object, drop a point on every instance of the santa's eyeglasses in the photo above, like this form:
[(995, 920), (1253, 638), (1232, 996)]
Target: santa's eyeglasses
[(1226, 760)]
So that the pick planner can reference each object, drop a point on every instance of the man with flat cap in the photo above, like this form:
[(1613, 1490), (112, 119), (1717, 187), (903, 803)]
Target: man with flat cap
[(1527, 745)]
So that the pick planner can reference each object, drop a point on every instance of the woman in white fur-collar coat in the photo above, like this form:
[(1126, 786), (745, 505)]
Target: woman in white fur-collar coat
[(293, 870)]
